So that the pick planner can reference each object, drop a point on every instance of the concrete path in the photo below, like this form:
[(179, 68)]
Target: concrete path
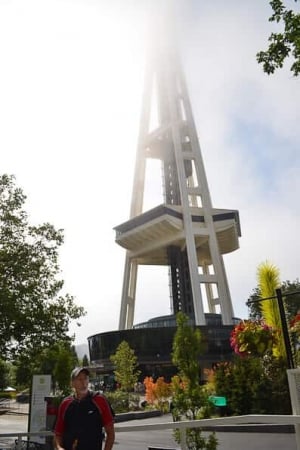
[(11, 423)]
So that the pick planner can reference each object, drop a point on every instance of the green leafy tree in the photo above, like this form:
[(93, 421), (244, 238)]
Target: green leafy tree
[(126, 367), (56, 360), (190, 400), (187, 348), (4, 374), (253, 304), (291, 302), (63, 367), (283, 44), (33, 313), (85, 361)]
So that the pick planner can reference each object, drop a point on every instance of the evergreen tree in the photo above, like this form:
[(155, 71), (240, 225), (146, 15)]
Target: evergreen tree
[(85, 361), (190, 400), (126, 371)]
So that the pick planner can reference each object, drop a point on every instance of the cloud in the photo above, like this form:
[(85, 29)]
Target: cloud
[(71, 92)]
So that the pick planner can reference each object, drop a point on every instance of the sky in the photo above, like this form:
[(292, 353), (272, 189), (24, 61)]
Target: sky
[(71, 84)]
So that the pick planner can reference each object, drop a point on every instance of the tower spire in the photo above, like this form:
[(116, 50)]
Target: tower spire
[(184, 233)]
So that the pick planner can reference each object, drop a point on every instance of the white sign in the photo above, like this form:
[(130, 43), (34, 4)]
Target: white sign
[(41, 387)]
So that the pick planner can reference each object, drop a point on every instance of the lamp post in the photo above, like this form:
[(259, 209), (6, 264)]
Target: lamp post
[(285, 332)]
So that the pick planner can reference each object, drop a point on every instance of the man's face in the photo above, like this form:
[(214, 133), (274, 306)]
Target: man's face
[(81, 383)]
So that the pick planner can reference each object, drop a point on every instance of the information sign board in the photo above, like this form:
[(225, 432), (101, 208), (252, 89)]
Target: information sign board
[(41, 386)]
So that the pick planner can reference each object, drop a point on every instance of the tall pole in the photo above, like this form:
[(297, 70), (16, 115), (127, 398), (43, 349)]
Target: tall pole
[(285, 332)]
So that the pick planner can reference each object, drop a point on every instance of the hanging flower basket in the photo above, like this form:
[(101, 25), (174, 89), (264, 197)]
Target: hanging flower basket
[(295, 325), (252, 338)]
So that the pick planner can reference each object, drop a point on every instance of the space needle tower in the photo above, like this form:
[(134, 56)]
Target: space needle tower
[(185, 232)]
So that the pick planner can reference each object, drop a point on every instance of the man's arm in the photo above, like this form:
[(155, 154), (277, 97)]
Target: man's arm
[(110, 436), (57, 440)]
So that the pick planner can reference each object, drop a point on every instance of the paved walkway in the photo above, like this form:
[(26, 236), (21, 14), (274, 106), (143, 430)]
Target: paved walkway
[(142, 440)]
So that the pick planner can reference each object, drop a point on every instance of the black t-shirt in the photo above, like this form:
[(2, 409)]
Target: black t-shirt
[(83, 425)]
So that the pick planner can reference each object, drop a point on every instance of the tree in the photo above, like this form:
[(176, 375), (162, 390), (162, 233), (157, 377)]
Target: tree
[(282, 44), (190, 400), (85, 361), (291, 302), (157, 393), (62, 369), (187, 348), (33, 314), (125, 362), (4, 372), (56, 360)]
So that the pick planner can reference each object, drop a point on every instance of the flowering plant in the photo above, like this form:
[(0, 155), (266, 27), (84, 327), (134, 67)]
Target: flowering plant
[(252, 337), (295, 324)]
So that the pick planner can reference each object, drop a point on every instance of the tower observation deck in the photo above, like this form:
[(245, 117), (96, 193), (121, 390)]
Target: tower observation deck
[(185, 232)]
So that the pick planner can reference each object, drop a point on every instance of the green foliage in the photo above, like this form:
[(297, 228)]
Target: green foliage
[(33, 314), (283, 44), (119, 401), (190, 399), (253, 385), (291, 302), (253, 304), (196, 441), (4, 374), (253, 337), (56, 360), (122, 401), (279, 399), (189, 403), (125, 362), (85, 361), (187, 348), (62, 369), (295, 338), (6, 395), (239, 381)]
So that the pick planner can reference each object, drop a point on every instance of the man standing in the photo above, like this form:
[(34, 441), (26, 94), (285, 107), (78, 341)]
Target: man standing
[(81, 417)]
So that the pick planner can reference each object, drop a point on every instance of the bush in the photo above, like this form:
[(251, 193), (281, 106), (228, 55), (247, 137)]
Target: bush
[(123, 401), (7, 395)]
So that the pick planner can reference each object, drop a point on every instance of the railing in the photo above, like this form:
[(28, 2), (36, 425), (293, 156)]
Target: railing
[(251, 419)]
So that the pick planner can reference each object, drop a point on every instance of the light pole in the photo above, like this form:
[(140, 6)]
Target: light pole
[(285, 332)]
